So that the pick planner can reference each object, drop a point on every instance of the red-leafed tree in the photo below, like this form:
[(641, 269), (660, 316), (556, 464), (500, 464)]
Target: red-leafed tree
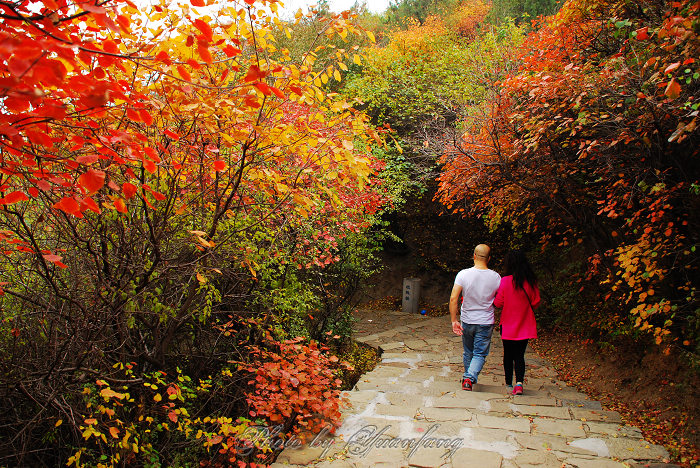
[(159, 169), (594, 142)]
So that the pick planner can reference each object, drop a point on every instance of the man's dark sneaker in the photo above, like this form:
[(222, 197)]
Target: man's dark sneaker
[(466, 384)]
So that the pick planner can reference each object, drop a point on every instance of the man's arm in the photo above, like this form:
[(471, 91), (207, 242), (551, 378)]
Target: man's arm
[(454, 308)]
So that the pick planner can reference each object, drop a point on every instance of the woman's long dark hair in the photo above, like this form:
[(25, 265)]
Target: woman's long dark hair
[(517, 265)]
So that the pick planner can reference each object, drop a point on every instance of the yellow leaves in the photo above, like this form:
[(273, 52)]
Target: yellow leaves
[(201, 278), (114, 432), (125, 441), (157, 397), (281, 188), (75, 459), (58, 423), (108, 393), (155, 33), (199, 236), (357, 59), (90, 432), (295, 73), (301, 200), (250, 265), (234, 137)]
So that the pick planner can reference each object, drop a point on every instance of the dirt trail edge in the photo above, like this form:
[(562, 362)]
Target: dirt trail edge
[(410, 411)]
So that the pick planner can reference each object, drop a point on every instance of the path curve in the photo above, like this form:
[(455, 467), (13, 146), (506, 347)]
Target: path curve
[(410, 411)]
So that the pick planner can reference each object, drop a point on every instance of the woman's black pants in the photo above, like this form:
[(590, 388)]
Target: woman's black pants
[(514, 356)]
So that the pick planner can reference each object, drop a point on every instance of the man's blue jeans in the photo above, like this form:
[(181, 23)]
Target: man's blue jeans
[(476, 340)]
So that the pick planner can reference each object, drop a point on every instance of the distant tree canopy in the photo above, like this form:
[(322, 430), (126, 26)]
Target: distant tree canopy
[(420, 10), (522, 11), (421, 77)]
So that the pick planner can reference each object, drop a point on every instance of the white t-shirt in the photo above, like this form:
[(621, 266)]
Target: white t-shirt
[(479, 288)]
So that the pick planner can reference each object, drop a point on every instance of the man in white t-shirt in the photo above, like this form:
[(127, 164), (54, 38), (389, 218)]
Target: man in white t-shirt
[(477, 286)]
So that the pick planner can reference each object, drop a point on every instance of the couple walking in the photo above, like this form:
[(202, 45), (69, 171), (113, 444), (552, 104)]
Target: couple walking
[(482, 291)]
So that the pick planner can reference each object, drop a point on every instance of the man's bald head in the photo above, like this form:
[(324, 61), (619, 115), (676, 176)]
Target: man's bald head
[(482, 254), (482, 251)]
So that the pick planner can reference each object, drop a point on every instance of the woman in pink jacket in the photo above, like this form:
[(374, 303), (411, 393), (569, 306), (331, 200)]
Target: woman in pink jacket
[(518, 296)]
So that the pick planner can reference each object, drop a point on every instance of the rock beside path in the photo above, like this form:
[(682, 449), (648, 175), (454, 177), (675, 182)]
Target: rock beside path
[(410, 411)]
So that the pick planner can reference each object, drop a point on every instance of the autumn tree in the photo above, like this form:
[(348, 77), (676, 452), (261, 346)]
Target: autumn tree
[(163, 172), (593, 142), (425, 76)]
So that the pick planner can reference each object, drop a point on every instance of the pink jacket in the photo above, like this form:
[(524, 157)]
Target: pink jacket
[(517, 316)]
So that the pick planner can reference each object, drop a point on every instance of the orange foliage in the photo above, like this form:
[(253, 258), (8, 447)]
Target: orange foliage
[(468, 16), (296, 383), (155, 163), (99, 117), (594, 141)]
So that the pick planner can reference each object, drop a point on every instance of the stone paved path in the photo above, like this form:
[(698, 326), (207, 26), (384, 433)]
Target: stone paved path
[(411, 412)]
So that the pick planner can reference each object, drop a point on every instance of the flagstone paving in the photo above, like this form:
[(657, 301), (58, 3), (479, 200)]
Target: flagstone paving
[(410, 411)]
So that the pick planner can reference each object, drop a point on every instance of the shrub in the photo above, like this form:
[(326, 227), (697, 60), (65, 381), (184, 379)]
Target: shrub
[(295, 385)]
